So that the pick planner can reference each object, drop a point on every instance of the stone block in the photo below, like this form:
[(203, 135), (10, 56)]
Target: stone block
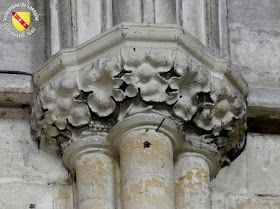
[(37, 196), (232, 177), (29, 178), (229, 200), (217, 199), (254, 40), (15, 89), (20, 158), (263, 167), (233, 201)]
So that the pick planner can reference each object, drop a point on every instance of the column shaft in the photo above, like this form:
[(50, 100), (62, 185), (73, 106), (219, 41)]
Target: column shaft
[(192, 14), (54, 27), (192, 179), (95, 181), (146, 161), (213, 25), (165, 11), (127, 11), (148, 11)]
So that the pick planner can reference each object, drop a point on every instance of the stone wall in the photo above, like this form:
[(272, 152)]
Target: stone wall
[(254, 34), (29, 178), (34, 178), (252, 180)]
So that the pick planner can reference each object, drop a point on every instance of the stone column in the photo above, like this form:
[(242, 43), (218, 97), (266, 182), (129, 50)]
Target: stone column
[(93, 166), (144, 11), (93, 17), (146, 162), (54, 28), (192, 177), (206, 21), (74, 22), (153, 85), (191, 15)]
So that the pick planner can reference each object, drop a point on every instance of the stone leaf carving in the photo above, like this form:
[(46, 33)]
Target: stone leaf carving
[(41, 129), (133, 80), (99, 80), (58, 100), (190, 83), (165, 76), (143, 69), (225, 117), (226, 106)]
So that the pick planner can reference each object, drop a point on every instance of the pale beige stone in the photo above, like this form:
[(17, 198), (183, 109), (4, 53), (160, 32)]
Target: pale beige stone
[(248, 201), (263, 168), (233, 177), (192, 178), (43, 196), (31, 173), (95, 182), (28, 175), (146, 161)]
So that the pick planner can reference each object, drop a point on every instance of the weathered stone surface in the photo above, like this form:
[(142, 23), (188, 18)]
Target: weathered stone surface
[(251, 202), (254, 40), (229, 200), (192, 178), (146, 163), (27, 175), (254, 32), (95, 181), (252, 180), (90, 18), (124, 81), (233, 177), (264, 103), (15, 89), (157, 11), (193, 18), (20, 157), (33, 195), (37, 179), (263, 168)]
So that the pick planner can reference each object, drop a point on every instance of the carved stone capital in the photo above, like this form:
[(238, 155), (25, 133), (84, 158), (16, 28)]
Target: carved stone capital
[(134, 69)]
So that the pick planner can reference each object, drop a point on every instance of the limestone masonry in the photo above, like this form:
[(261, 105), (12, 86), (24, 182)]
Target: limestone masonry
[(141, 104)]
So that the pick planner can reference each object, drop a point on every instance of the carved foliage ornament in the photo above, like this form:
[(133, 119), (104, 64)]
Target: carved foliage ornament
[(150, 77)]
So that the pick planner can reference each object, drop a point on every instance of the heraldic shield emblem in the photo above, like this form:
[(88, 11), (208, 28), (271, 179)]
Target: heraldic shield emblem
[(21, 20)]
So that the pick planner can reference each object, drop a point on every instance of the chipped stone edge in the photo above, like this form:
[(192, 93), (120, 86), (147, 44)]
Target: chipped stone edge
[(15, 89), (264, 103)]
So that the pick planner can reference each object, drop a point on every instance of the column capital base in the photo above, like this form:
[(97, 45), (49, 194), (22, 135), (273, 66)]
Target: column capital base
[(212, 158), (146, 121), (134, 71), (86, 144)]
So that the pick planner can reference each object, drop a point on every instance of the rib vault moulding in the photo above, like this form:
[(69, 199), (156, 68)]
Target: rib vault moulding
[(149, 85)]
